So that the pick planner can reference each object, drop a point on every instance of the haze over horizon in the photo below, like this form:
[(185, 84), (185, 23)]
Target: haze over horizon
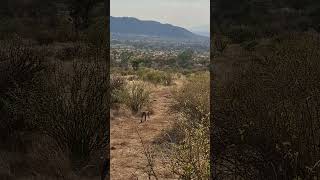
[(183, 13)]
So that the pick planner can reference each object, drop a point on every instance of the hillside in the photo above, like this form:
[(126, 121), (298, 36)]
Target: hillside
[(124, 26)]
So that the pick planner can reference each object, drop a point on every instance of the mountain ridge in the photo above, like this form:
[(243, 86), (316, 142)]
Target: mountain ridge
[(135, 26)]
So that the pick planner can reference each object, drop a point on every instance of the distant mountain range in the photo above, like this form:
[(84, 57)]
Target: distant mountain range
[(134, 27)]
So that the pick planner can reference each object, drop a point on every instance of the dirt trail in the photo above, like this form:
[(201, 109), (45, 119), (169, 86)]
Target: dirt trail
[(127, 159)]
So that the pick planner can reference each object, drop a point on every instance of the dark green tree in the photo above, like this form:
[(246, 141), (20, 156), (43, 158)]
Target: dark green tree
[(125, 58), (184, 59), (136, 63)]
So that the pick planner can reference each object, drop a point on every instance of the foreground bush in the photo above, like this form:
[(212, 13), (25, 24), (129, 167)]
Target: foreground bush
[(188, 158), (20, 66), (70, 108), (267, 123)]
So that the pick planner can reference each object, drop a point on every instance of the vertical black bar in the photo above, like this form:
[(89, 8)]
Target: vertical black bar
[(105, 174)]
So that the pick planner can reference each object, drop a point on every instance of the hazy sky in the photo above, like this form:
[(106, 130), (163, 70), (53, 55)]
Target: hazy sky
[(184, 13)]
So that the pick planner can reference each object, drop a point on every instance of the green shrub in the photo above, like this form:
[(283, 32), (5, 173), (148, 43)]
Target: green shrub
[(184, 59), (156, 76)]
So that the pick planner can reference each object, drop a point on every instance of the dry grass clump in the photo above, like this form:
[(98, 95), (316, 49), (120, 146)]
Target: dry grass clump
[(193, 98), (267, 118), (186, 151), (187, 157)]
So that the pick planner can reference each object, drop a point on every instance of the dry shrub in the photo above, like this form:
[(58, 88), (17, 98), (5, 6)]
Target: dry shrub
[(193, 98), (20, 66), (117, 85), (136, 96), (186, 151), (71, 108), (267, 118), (189, 157), (68, 107)]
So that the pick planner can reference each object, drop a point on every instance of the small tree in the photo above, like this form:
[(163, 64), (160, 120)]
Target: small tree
[(125, 58), (184, 59), (136, 64)]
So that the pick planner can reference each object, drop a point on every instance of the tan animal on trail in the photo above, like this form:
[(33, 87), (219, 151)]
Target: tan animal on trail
[(145, 114)]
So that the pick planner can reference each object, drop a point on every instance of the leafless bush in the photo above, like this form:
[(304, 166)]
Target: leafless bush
[(267, 118), (71, 107), (20, 66)]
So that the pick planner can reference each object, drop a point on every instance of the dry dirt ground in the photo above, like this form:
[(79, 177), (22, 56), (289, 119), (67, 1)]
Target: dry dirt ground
[(127, 158)]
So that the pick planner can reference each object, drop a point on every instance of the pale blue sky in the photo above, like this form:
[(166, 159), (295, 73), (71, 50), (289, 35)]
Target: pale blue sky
[(184, 13)]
